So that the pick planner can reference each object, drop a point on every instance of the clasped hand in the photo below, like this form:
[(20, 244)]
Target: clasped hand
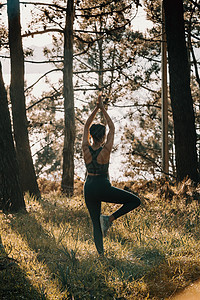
[(99, 101)]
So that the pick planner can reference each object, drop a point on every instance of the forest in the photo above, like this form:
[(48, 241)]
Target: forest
[(55, 58)]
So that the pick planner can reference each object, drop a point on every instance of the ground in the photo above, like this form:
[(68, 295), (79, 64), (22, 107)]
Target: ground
[(151, 253)]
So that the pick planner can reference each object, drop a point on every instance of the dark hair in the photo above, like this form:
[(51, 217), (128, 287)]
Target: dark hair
[(97, 131)]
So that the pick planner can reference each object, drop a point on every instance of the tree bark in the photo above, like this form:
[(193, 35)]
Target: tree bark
[(180, 92), (68, 93), (27, 172), (11, 197)]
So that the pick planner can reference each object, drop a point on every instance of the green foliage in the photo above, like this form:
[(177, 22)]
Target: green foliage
[(130, 60), (145, 147), (143, 135)]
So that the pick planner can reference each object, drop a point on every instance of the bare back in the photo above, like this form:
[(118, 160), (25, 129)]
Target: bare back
[(104, 155)]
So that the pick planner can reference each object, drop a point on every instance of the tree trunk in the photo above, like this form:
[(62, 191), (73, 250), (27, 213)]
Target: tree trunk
[(69, 129), (27, 172), (180, 92), (11, 197)]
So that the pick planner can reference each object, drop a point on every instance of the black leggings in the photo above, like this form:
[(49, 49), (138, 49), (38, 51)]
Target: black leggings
[(98, 189)]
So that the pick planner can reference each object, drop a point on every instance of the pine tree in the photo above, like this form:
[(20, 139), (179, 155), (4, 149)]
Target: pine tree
[(27, 172), (11, 197), (180, 92)]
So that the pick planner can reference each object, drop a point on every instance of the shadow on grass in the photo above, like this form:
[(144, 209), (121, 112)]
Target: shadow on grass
[(58, 214), (163, 275), (60, 261), (141, 258), (146, 262), (163, 279), (66, 215), (14, 283)]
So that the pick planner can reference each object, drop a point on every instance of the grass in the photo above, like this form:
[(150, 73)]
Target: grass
[(151, 253)]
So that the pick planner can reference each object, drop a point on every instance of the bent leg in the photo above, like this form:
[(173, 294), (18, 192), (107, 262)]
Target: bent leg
[(119, 196)]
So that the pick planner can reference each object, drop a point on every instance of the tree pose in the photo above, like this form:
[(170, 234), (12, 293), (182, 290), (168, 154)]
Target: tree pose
[(97, 187)]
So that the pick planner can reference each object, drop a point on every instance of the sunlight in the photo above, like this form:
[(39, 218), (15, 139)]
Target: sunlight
[(192, 292)]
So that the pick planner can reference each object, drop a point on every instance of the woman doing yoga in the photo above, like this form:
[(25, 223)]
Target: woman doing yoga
[(97, 187)]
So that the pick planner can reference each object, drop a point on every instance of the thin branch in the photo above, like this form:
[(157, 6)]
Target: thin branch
[(47, 144), (91, 41), (44, 98), (195, 3), (83, 63), (97, 6), (150, 159), (148, 89), (104, 31), (105, 13), (80, 9), (195, 64), (195, 37), (78, 119), (37, 102), (86, 89), (150, 59), (141, 85), (191, 47), (4, 56), (54, 70), (43, 4), (41, 32), (100, 70), (137, 105), (64, 8), (43, 62), (90, 31), (112, 73), (93, 71), (34, 61), (84, 51)]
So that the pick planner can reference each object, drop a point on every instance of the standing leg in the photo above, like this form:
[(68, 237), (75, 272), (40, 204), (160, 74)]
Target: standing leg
[(94, 208)]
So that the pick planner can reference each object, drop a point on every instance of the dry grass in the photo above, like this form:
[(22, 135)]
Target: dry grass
[(152, 253)]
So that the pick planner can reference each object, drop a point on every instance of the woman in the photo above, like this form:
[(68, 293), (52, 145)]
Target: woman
[(97, 187)]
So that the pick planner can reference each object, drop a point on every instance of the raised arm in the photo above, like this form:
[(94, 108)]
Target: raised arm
[(110, 137), (85, 140)]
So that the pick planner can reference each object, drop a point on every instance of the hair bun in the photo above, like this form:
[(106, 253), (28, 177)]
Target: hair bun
[(97, 131)]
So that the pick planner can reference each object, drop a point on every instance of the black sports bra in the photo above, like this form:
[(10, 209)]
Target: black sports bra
[(94, 167)]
